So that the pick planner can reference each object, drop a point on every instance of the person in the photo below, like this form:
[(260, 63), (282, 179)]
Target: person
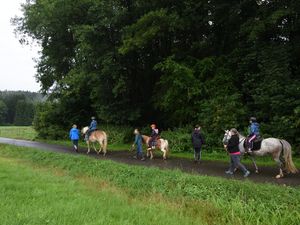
[(253, 133), (92, 127), (139, 145), (197, 141), (153, 137), (74, 136), (232, 148)]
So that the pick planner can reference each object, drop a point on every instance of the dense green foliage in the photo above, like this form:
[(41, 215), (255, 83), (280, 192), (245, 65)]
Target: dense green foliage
[(18, 107), (208, 199), (175, 63)]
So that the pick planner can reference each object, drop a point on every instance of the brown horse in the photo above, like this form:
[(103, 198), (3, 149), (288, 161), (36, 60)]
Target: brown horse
[(161, 144), (96, 136)]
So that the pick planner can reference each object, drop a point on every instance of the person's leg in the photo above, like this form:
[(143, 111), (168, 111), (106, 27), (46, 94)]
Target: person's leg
[(76, 145), (195, 154), (240, 165), (231, 166), (232, 163)]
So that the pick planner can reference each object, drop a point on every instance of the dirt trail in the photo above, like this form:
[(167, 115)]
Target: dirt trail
[(209, 168)]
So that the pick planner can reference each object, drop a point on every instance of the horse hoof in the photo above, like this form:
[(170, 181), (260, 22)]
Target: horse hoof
[(279, 176), (256, 171)]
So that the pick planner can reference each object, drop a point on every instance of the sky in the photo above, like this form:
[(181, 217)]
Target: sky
[(17, 68)]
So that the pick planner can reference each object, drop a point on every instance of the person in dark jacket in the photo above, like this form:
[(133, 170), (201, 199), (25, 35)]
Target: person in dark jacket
[(138, 141), (153, 137), (197, 141), (74, 136), (232, 148)]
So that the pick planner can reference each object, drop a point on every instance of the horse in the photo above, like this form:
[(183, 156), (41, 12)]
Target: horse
[(280, 150), (161, 144), (96, 136)]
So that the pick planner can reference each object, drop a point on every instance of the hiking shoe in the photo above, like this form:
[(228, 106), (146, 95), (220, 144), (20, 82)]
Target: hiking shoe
[(247, 174), (143, 159), (135, 157), (229, 172)]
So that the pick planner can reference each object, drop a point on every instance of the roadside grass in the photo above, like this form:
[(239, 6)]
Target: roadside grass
[(179, 198), (28, 133), (36, 196)]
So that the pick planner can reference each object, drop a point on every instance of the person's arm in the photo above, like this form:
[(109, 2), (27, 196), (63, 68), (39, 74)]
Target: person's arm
[(202, 139), (70, 133)]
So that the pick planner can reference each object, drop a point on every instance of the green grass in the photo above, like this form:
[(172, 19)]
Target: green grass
[(18, 132), (28, 133), (51, 188)]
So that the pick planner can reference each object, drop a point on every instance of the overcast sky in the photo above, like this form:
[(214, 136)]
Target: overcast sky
[(16, 61)]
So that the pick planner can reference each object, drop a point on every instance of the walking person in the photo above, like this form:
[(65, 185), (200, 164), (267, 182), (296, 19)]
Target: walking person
[(139, 145), (197, 141), (74, 136), (232, 148)]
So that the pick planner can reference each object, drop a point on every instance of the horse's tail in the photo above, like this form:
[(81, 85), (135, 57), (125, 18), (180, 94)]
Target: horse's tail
[(287, 154), (105, 142)]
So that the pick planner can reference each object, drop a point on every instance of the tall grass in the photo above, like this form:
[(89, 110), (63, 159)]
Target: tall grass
[(220, 201)]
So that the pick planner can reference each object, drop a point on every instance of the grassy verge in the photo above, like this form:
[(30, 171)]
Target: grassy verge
[(177, 198), (18, 132)]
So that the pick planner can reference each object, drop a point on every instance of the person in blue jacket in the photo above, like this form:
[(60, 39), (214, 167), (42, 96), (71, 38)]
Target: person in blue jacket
[(92, 127), (253, 132), (74, 136), (138, 141)]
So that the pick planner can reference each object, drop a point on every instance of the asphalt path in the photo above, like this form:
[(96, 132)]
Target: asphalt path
[(209, 168)]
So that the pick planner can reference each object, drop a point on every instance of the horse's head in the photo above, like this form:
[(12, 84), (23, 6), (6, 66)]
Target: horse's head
[(84, 130), (227, 136)]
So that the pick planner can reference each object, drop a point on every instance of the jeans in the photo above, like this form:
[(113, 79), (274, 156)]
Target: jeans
[(235, 163), (197, 154), (139, 150)]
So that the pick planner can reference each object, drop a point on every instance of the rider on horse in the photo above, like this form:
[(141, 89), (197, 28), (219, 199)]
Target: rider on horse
[(92, 127), (153, 137), (253, 133)]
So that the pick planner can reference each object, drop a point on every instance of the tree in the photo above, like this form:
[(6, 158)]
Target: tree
[(3, 112)]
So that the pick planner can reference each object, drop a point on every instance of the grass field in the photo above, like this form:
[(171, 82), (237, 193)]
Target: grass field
[(28, 133), (40, 187)]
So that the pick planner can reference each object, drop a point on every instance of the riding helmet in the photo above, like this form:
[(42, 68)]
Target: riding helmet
[(252, 119)]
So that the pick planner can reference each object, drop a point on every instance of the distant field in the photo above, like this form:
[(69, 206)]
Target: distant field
[(39, 187), (18, 132)]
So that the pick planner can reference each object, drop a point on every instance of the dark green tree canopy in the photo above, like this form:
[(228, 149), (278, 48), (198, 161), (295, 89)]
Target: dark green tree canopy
[(173, 62)]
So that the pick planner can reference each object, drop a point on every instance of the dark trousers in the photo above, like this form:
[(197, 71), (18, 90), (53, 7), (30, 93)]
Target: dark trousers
[(197, 154), (235, 162), (75, 144)]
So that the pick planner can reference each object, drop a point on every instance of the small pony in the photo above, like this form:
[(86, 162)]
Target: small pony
[(96, 136), (161, 144)]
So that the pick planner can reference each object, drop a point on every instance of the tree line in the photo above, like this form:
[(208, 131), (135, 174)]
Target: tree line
[(18, 107), (175, 63)]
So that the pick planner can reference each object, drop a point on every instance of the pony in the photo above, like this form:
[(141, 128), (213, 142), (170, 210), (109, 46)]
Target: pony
[(280, 150), (96, 136), (161, 144)]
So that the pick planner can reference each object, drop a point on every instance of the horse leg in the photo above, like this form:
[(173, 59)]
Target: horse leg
[(165, 154), (88, 146), (254, 163), (95, 148), (151, 154), (148, 153), (279, 163)]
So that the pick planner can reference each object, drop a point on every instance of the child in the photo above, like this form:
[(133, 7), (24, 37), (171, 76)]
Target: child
[(197, 141), (138, 143), (153, 137), (74, 136)]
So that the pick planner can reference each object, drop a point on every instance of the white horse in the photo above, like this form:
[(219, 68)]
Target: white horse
[(161, 144), (96, 136), (280, 150)]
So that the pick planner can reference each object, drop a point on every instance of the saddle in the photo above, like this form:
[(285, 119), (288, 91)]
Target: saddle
[(256, 143)]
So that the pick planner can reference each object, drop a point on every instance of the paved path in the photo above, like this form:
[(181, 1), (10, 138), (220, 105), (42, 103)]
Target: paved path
[(209, 168)]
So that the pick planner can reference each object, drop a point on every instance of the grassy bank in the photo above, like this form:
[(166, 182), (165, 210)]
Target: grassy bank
[(113, 193)]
